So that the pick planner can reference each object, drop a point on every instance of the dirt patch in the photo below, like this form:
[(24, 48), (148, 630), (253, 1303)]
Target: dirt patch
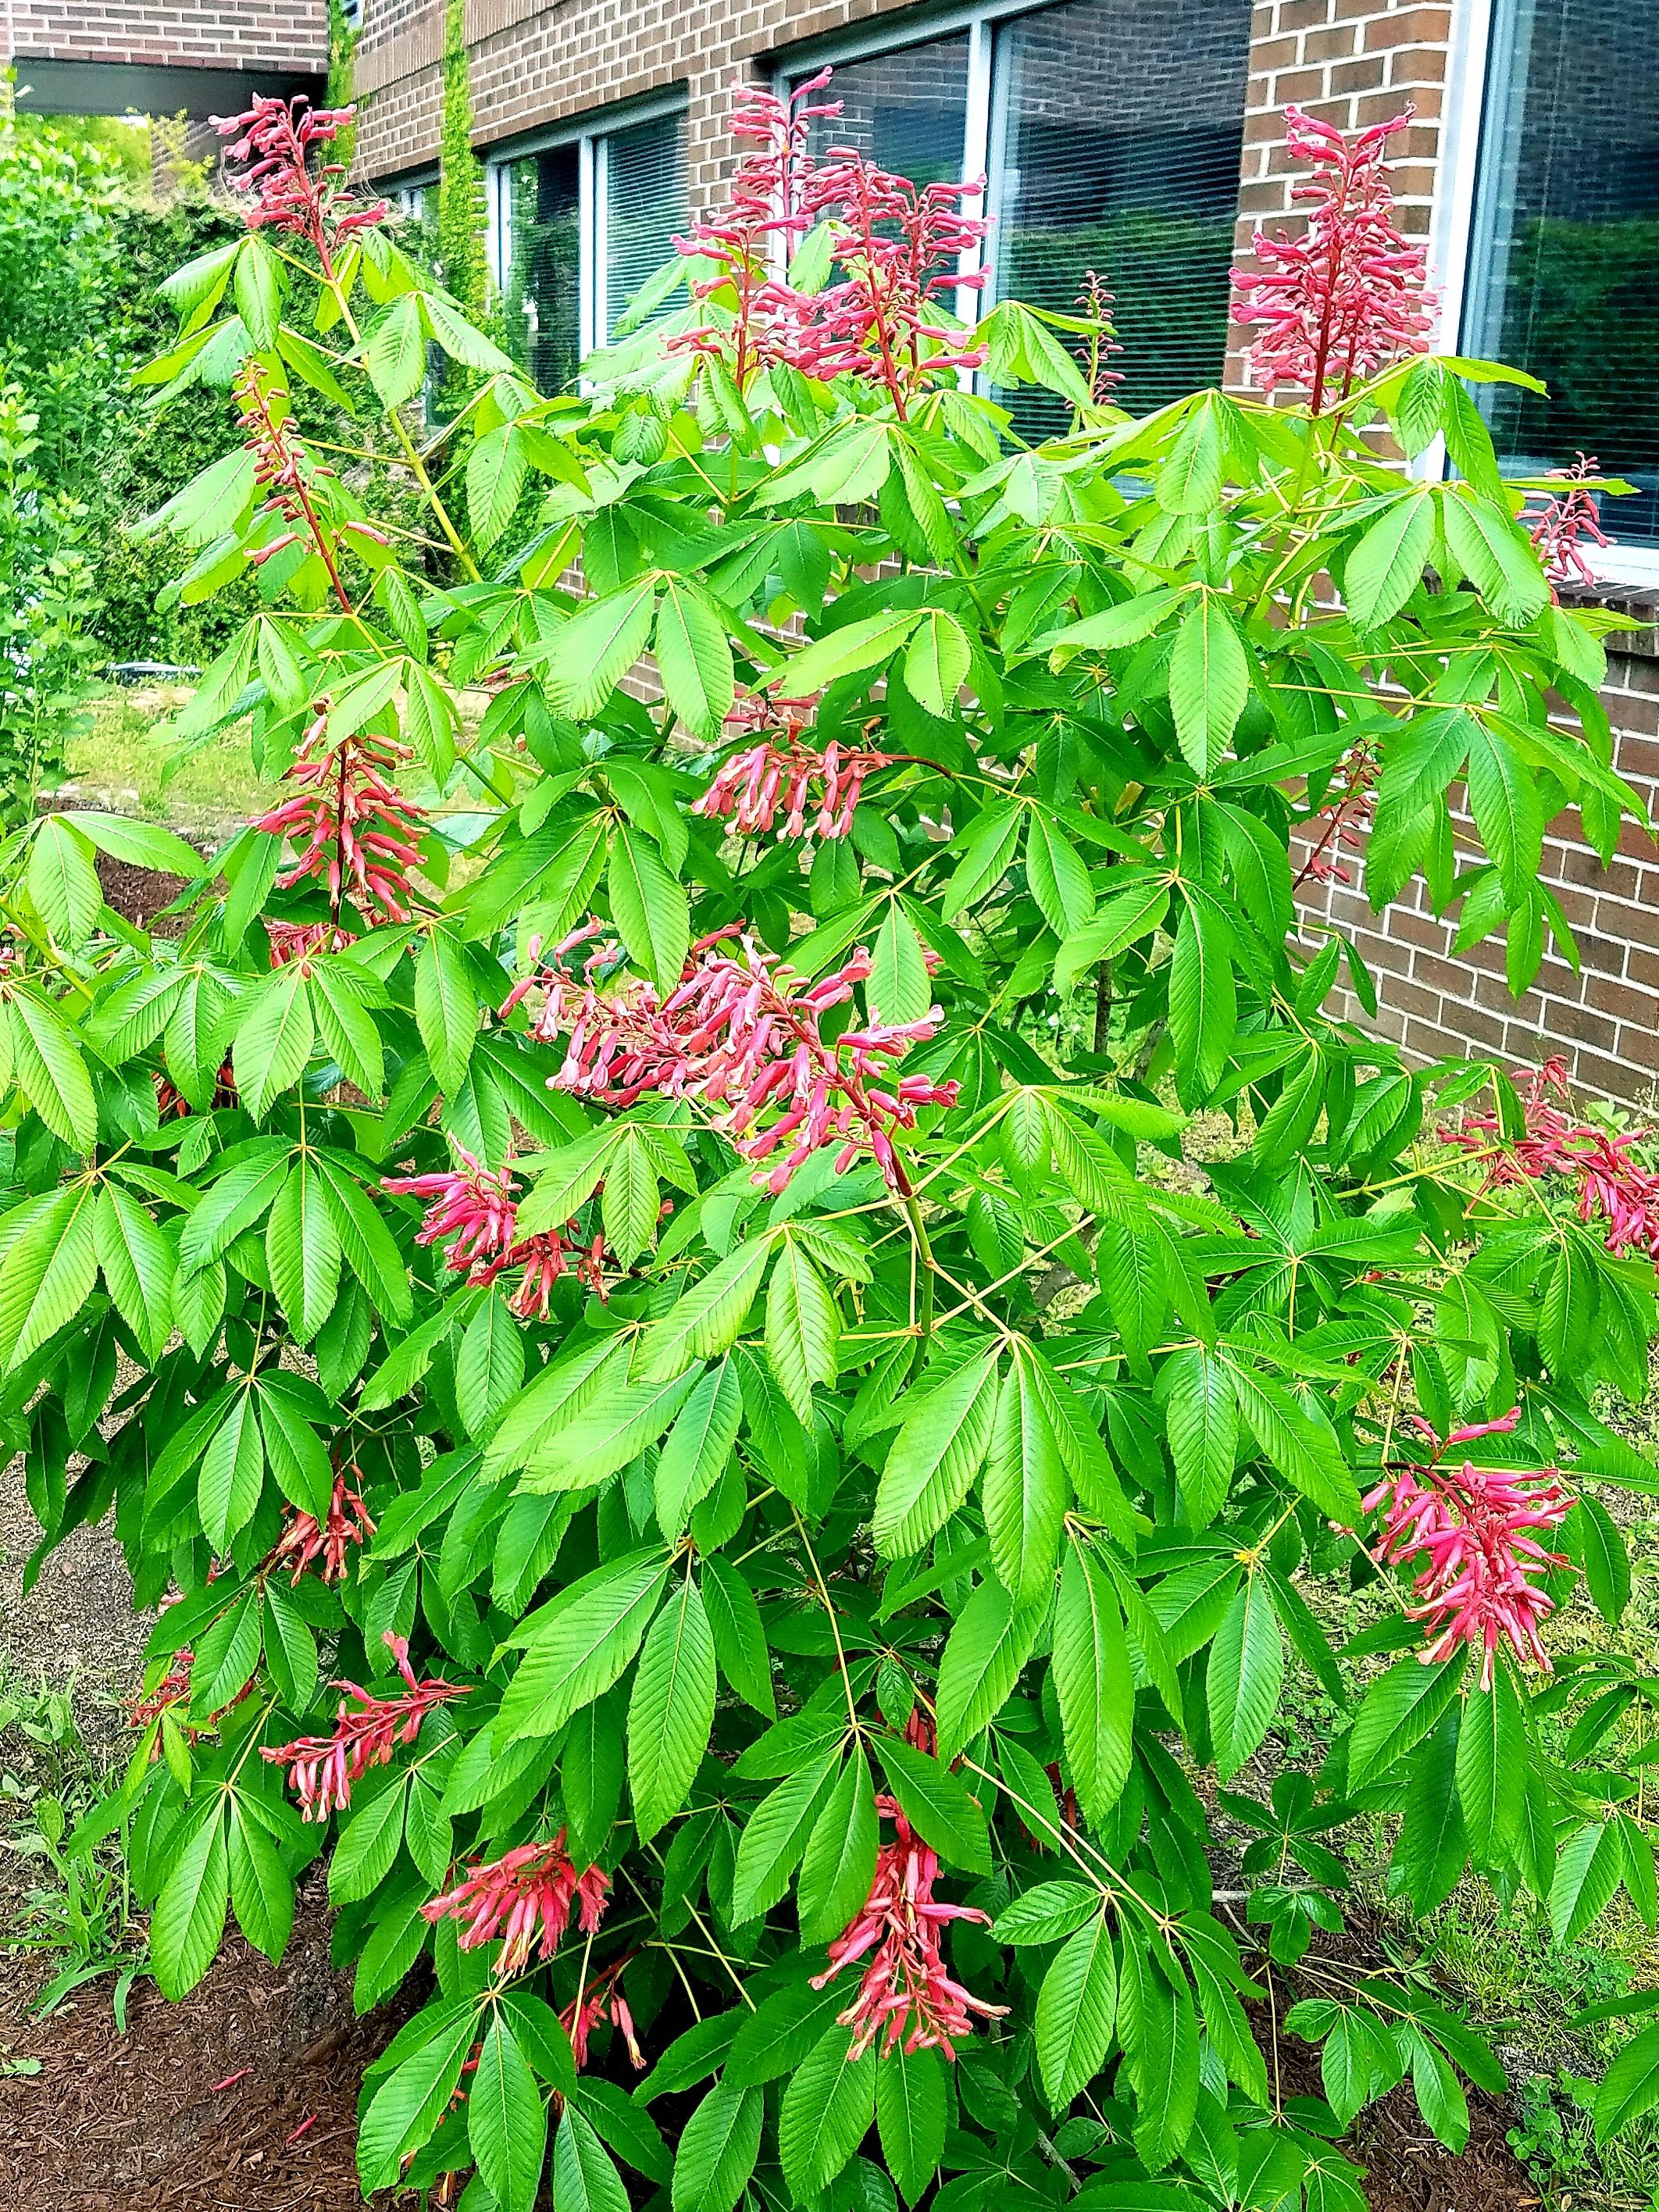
[(138, 895), (76, 1626), (154, 2122)]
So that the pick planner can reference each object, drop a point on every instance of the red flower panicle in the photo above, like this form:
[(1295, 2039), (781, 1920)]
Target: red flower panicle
[(524, 1897), (743, 1036), (171, 1104), (816, 791), (304, 1541), (1472, 1527), (354, 830), (322, 1768), (300, 940), (1349, 801), (897, 246), (906, 1995), (275, 140), (591, 2008), (173, 1689), (1614, 1187), (1561, 527), (1347, 298), (1095, 303), (477, 1207)]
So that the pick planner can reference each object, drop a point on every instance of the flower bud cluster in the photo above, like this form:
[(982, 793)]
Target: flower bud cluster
[(321, 1769), (478, 1207), (525, 1897), (792, 777), (274, 142), (305, 1540), (1615, 1189), (354, 830), (1561, 526)]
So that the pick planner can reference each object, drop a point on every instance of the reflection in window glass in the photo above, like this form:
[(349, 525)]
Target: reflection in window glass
[(906, 111), (543, 288), (1565, 272), (645, 204), (1116, 133)]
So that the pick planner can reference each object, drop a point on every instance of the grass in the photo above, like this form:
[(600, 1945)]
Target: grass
[(118, 766)]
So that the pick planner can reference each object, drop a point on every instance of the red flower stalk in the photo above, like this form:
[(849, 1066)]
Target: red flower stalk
[(1470, 1526), (1614, 1187), (1563, 522), (299, 941), (1349, 802), (173, 1689), (322, 1768), (524, 1896), (171, 1104), (591, 2008), (1094, 301), (740, 1034), (281, 467), (1348, 297), (354, 830), (479, 1209), (304, 1541), (795, 777), (906, 1993), (764, 216), (284, 192)]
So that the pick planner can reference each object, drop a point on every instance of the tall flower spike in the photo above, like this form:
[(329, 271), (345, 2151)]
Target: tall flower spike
[(354, 830), (1615, 1189), (321, 1769), (525, 1897), (275, 141), (1348, 297), (1472, 1527), (1564, 522)]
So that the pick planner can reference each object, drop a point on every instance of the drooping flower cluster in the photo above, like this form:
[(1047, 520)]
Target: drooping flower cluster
[(274, 142), (321, 1769), (1614, 1188), (1561, 526), (172, 1689), (592, 2007), (354, 830), (896, 244), (784, 774), (1472, 1527), (300, 940), (1334, 827), (1348, 297), (742, 1035), (304, 1541), (477, 1207), (907, 1994), (525, 1897)]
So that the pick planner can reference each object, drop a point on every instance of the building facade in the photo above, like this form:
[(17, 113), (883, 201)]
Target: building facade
[(161, 57)]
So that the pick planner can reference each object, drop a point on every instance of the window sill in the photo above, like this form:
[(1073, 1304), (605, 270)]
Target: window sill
[(1640, 601)]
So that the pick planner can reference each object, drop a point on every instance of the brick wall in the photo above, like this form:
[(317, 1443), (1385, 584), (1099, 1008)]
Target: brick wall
[(280, 36)]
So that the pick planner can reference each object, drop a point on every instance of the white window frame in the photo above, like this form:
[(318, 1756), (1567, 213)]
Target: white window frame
[(590, 134), (1457, 242)]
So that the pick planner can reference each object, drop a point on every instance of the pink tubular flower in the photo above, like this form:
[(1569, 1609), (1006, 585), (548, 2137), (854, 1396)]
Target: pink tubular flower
[(791, 777), (591, 2008), (479, 1209), (304, 1541), (322, 1768), (1470, 1526), (524, 1896), (299, 941), (1562, 524), (740, 1034), (354, 830), (1347, 298), (1614, 1187), (907, 1989), (274, 148)]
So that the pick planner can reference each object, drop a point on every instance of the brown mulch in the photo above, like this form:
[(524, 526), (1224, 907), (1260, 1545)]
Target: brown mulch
[(136, 2124), (138, 895)]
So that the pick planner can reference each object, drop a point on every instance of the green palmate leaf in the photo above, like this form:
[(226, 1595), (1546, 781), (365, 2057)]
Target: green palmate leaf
[(934, 1458), (584, 2178), (1203, 1000), (650, 907), (1386, 565), (1209, 683), (1203, 1429), (671, 1710), (49, 1268), (445, 1008), (1590, 1867), (695, 657), (1025, 1488), (261, 1893), (1075, 2009), (718, 2149), (188, 1921), (138, 1262), (488, 1365), (275, 1041), (840, 1861), (938, 1805), (803, 1327), (303, 1251), (1397, 1711), (582, 1452), (496, 470), (1493, 1760), (912, 2113), (989, 1645), (62, 881), (1300, 1442), (709, 1317), (580, 1644), (739, 1639), (1047, 1913), (776, 1835), (598, 647), (409, 2103), (1245, 1676), (826, 2109), (1094, 1683), (697, 1449), (50, 1071), (848, 651), (632, 1197), (1059, 880), (900, 988), (935, 666), (1629, 2087)]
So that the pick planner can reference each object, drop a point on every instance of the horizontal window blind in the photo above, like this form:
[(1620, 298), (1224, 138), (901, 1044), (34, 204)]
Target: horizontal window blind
[(543, 288), (1564, 267), (906, 111), (645, 204)]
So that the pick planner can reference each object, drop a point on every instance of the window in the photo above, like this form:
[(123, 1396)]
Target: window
[(1110, 138), (1563, 264), (579, 227)]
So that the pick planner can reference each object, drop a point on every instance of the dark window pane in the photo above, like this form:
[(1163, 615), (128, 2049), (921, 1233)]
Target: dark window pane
[(906, 111), (544, 291), (645, 204), (1116, 133), (1565, 272)]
